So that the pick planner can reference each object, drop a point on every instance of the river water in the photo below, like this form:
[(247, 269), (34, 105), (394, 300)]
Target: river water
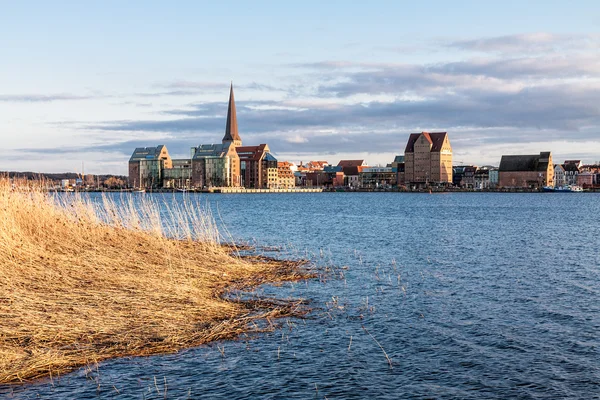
[(469, 295)]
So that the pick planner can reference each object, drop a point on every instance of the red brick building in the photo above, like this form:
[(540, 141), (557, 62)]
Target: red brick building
[(526, 171), (258, 168), (428, 159)]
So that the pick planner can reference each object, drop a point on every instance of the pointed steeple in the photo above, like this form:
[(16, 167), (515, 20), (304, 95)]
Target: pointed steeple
[(231, 129)]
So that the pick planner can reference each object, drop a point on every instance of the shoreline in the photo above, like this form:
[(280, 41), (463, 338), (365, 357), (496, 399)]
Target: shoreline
[(317, 190), (79, 290)]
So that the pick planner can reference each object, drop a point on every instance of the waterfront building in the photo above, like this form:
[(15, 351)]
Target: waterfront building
[(593, 169), (526, 171), (300, 178), (457, 174), (559, 175), (334, 175), (317, 179), (146, 166), (285, 175), (585, 179), (179, 176), (352, 170), (215, 165), (577, 163), (571, 172), (352, 176), (377, 177), (258, 167), (428, 159), (468, 177), (494, 177), (398, 167), (482, 178), (352, 163)]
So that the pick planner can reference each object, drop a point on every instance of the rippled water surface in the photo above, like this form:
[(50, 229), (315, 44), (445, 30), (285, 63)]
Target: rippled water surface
[(471, 295)]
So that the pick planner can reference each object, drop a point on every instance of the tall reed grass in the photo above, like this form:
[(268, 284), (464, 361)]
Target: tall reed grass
[(82, 282)]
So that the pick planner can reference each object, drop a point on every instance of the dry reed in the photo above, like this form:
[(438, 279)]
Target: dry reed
[(81, 282)]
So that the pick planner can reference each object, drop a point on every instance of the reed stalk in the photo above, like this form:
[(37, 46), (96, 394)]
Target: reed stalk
[(82, 282)]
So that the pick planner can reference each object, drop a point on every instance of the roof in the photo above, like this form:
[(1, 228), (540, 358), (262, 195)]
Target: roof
[(352, 170), (399, 159), (269, 157), (210, 150), (570, 167), (146, 153), (316, 164), (253, 153), (231, 128), (332, 168), (351, 163), (435, 138), (520, 163)]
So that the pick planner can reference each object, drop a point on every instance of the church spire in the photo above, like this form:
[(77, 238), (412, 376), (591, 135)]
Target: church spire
[(231, 129)]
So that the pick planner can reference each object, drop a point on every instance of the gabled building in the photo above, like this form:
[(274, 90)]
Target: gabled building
[(258, 168), (285, 175), (146, 166), (482, 178), (215, 165), (593, 169), (428, 159), (577, 163), (559, 175), (526, 171), (316, 165), (585, 179), (468, 178), (352, 176), (571, 172), (352, 163)]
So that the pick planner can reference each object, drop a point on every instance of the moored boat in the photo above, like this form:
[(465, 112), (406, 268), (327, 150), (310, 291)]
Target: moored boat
[(563, 189)]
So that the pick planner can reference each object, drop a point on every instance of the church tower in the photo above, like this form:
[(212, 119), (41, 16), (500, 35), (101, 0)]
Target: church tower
[(231, 129)]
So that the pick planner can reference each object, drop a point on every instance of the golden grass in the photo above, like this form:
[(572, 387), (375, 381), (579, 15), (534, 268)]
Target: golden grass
[(81, 283)]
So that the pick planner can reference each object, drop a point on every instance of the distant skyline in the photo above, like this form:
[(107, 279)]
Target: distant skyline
[(90, 81)]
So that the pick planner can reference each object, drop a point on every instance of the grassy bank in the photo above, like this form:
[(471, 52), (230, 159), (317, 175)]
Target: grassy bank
[(81, 283)]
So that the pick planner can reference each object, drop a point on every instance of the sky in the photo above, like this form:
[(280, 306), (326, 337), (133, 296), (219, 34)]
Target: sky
[(84, 83)]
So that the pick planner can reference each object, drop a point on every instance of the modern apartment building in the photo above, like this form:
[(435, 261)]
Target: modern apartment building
[(258, 167), (146, 166)]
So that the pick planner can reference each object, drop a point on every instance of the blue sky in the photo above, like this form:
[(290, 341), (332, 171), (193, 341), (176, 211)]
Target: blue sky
[(89, 81)]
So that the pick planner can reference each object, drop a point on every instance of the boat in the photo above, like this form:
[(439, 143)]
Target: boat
[(140, 191), (563, 189)]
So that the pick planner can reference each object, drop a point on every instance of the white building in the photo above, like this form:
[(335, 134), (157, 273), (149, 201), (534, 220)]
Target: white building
[(559, 175)]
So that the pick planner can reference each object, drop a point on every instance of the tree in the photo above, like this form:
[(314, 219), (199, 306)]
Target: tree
[(114, 183)]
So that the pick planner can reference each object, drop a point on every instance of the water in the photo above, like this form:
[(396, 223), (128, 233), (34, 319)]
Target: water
[(474, 295)]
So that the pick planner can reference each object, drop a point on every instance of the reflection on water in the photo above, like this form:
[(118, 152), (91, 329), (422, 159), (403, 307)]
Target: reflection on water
[(471, 295)]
